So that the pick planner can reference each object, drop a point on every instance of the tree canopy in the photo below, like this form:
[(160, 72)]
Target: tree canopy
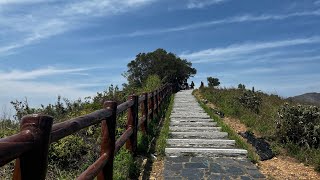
[(212, 82), (167, 66)]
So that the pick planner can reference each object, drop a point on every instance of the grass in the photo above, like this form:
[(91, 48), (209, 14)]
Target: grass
[(262, 123), (164, 133), (240, 143)]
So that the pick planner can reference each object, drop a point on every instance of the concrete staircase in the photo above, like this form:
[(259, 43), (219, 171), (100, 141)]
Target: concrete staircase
[(193, 133)]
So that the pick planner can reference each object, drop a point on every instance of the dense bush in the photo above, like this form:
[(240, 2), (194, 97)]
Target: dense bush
[(299, 124), (250, 100), (68, 151)]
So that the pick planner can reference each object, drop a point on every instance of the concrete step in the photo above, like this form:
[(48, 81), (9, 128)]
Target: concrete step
[(198, 135), (190, 120), (196, 143), (205, 152), (188, 113), (193, 124), (191, 116), (194, 129)]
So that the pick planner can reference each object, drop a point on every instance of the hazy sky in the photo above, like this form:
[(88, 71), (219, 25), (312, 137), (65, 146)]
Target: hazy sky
[(75, 48)]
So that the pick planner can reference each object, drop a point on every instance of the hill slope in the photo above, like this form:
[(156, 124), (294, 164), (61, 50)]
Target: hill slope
[(308, 98)]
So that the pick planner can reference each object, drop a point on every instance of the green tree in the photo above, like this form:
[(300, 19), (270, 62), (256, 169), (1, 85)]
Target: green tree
[(212, 82), (152, 83), (241, 86), (167, 66)]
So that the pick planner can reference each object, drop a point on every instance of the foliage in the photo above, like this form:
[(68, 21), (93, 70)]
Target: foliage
[(67, 151), (212, 82), (263, 123), (299, 124), (167, 66), (231, 133), (124, 165), (250, 100), (241, 86), (164, 133), (152, 83), (8, 128)]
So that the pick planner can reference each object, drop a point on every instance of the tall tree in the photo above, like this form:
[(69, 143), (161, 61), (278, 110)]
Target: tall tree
[(167, 66), (212, 82)]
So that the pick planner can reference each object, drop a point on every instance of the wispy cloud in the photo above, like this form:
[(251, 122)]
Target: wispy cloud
[(34, 84), (230, 20), (235, 50), (48, 20), (34, 74), (202, 3), (16, 2)]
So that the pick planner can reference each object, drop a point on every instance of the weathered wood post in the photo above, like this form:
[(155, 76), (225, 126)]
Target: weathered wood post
[(108, 134), (33, 164), (144, 126), (132, 122), (152, 106), (157, 103)]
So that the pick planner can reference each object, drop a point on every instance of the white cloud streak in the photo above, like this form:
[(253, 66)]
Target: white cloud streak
[(192, 4), (235, 19), (34, 74), (52, 19), (236, 50)]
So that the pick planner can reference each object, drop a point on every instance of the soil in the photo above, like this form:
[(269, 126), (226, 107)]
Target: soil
[(152, 170), (157, 170), (284, 167)]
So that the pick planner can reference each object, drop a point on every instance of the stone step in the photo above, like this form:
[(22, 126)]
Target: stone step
[(205, 152), (193, 124), (198, 135), (194, 129), (188, 113), (191, 116), (190, 120), (210, 143)]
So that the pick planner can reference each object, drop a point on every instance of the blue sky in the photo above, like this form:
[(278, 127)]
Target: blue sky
[(75, 48)]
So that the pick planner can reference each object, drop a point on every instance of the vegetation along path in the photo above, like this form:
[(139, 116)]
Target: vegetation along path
[(197, 149)]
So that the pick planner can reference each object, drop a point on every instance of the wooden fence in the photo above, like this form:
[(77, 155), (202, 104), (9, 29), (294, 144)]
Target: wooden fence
[(30, 146)]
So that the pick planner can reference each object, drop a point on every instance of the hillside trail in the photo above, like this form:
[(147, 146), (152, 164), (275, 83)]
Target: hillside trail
[(198, 149), (279, 167)]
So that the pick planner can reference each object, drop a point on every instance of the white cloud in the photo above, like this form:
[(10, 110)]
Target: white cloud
[(18, 84), (17, 2), (34, 74), (235, 50), (47, 20), (202, 3), (235, 19)]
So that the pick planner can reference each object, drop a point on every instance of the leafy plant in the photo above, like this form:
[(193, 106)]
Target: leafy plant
[(250, 100), (67, 151), (212, 82), (299, 124)]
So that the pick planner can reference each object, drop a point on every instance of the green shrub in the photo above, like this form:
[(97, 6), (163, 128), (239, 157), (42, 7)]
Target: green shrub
[(124, 165), (67, 152), (250, 100), (152, 83), (299, 124)]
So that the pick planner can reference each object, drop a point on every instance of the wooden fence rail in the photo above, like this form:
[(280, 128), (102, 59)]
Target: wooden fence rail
[(30, 146)]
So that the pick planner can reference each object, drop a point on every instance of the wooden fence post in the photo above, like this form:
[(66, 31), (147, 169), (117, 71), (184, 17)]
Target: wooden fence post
[(157, 103), (33, 164), (131, 144), (108, 134), (144, 126), (152, 106)]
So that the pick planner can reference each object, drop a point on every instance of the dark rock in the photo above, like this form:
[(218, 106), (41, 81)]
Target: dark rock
[(262, 147)]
